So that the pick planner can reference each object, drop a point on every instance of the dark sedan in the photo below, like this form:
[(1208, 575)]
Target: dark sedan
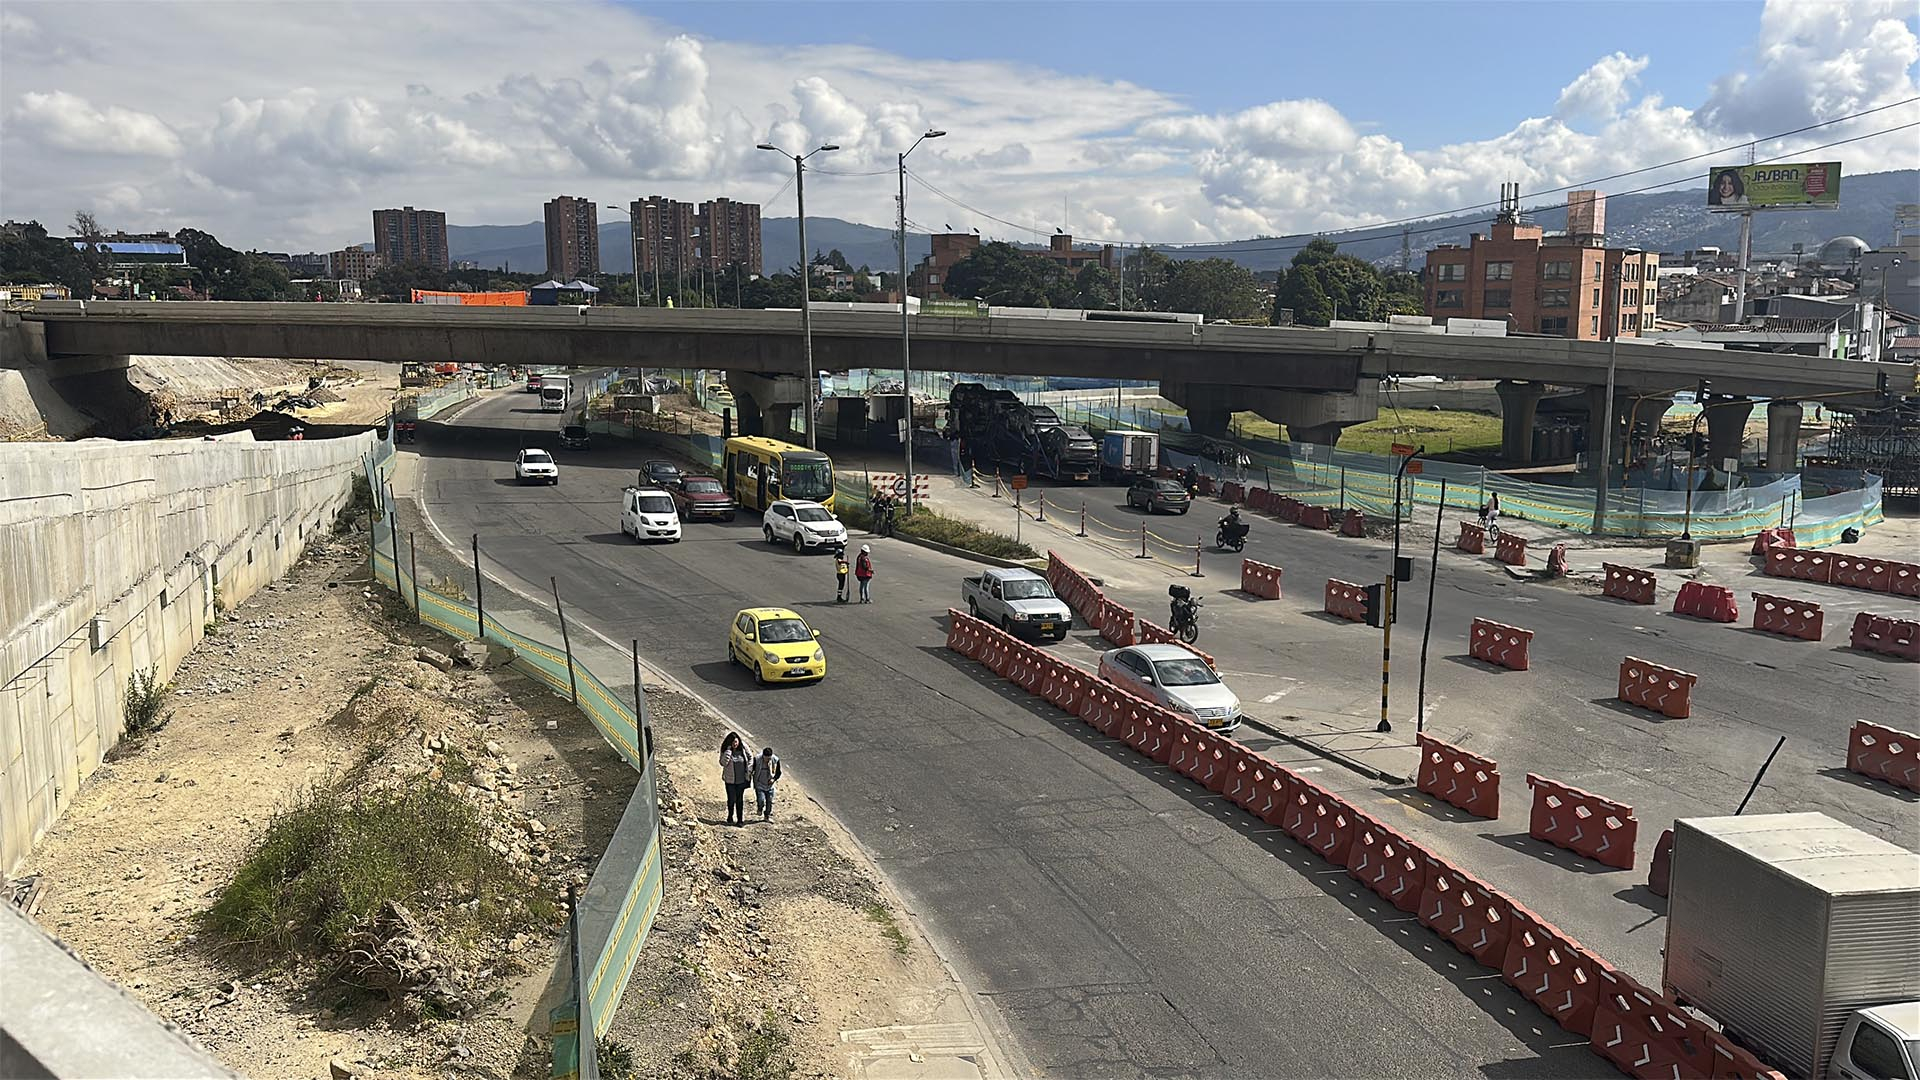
[(1151, 493), (664, 474), (702, 496)]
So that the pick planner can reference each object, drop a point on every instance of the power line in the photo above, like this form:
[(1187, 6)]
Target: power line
[(1479, 206)]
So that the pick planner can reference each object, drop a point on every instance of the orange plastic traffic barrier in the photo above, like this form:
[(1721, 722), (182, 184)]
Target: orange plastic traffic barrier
[(1552, 970), (1290, 508), (1321, 820), (1582, 822), (1643, 1034), (1347, 600), (1511, 550), (1857, 573), (1499, 644), (1353, 523), (1769, 539), (1205, 484), (1163, 729), (1316, 517), (1884, 754), (1273, 794), (1455, 776), (1260, 498), (1799, 564), (1703, 601), (1116, 623), (1788, 617), (1886, 635), (1259, 579), (1388, 863), (1628, 583), (1665, 690), (1242, 769), (1473, 539), (1903, 579), (1461, 908), (1232, 492), (1198, 757)]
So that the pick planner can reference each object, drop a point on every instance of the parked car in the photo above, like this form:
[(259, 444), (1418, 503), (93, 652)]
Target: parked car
[(1018, 601), (777, 644), (702, 496), (574, 437), (647, 513), (535, 467), (1153, 493), (660, 474), (1174, 677), (805, 525)]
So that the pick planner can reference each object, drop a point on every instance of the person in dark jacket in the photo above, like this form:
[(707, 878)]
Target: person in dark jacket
[(765, 770), (735, 765)]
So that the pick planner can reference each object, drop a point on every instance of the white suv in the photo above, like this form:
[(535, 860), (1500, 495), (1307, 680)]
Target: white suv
[(535, 467), (649, 514), (803, 524)]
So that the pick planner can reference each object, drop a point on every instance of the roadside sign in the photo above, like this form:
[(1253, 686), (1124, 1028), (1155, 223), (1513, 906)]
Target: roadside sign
[(1018, 483), (900, 487), (1401, 449), (1415, 466)]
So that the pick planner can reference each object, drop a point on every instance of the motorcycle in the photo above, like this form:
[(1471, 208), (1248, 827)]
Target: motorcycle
[(1232, 535), (403, 431), (1184, 619)]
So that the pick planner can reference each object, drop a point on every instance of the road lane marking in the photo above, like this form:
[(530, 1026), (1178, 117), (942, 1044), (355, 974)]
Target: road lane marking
[(1293, 684)]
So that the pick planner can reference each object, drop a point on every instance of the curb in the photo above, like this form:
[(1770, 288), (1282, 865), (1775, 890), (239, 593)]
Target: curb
[(963, 553), (1334, 756)]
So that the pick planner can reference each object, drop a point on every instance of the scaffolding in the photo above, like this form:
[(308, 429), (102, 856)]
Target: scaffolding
[(1883, 441)]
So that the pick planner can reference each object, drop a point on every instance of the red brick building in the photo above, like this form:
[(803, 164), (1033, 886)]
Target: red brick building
[(1565, 285)]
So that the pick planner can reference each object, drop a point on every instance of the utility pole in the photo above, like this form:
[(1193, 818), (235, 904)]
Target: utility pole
[(1390, 595), (906, 360), (1605, 465), (806, 277)]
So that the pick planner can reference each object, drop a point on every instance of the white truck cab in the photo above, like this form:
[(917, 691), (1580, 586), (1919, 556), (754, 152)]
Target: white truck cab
[(1881, 1043), (648, 513)]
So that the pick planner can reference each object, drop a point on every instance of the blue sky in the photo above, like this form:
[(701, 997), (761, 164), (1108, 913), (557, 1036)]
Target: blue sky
[(1379, 63)]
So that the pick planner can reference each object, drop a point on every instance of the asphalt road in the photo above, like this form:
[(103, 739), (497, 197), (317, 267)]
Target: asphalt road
[(1120, 920)]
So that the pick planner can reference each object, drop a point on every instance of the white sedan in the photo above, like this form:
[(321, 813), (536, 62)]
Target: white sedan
[(1176, 678), (805, 525), (535, 467)]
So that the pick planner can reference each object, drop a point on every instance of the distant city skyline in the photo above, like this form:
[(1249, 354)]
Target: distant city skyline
[(1130, 126)]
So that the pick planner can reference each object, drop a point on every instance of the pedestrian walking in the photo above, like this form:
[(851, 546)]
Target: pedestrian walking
[(765, 770), (840, 570), (863, 569), (735, 763)]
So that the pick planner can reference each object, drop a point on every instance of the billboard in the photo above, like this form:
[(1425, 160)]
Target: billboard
[(1813, 184)]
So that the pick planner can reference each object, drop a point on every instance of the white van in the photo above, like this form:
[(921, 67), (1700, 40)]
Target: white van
[(649, 514)]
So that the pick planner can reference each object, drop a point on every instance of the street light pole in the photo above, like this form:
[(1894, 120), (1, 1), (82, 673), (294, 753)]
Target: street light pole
[(633, 235), (806, 274), (1693, 446), (906, 361), (1600, 477)]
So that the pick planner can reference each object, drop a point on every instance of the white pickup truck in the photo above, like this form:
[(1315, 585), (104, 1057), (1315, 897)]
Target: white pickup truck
[(1017, 601)]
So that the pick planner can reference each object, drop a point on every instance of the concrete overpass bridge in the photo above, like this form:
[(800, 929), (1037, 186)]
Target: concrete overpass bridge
[(1314, 381)]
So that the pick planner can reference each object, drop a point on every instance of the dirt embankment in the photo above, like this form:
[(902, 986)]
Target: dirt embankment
[(774, 954)]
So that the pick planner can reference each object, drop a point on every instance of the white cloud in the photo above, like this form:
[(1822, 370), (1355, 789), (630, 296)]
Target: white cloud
[(1601, 90), (489, 115), (67, 122)]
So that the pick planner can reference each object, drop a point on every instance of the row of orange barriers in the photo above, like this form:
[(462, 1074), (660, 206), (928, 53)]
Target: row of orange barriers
[(1080, 593), (1640, 1032), (1115, 622), (1852, 571), (1152, 633)]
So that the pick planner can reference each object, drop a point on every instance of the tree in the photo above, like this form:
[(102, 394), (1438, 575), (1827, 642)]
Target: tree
[(1095, 287), (29, 256), (836, 260), (93, 258), (1000, 273), (225, 274), (1219, 289), (1322, 284), (395, 282)]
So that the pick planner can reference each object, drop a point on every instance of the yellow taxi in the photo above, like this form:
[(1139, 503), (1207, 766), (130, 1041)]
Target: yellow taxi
[(777, 644)]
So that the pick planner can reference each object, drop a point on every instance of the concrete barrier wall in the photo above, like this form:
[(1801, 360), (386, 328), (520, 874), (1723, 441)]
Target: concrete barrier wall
[(112, 558)]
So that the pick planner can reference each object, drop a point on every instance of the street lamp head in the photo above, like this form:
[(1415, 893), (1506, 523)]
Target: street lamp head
[(828, 146), (770, 146), (933, 134)]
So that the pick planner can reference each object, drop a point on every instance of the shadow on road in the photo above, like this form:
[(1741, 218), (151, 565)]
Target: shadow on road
[(1547, 853)]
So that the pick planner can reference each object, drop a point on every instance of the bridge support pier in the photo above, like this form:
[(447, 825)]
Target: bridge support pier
[(1600, 413), (1317, 434), (1726, 426), (1517, 402), (1783, 435), (1210, 421), (1309, 415)]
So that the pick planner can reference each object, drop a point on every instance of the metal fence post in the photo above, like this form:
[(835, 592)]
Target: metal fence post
[(642, 729), (393, 538), (413, 572), (566, 645), (479, 590)]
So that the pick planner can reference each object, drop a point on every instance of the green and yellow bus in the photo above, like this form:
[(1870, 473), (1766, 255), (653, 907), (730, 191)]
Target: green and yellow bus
[(759, 471)]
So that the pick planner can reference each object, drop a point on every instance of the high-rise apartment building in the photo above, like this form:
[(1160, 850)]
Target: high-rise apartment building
[(730, 235), (573, 238), (407, 235), (667, 239), (353, 264)]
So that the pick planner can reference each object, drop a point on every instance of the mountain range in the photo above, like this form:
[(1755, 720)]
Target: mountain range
[(1668, 221)]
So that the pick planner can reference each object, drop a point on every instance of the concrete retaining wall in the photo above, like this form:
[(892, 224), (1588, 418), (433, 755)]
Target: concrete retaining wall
[(111, 558)]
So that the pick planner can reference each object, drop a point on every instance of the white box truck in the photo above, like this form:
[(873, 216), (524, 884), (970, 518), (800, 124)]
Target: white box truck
[(1800, 936)]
